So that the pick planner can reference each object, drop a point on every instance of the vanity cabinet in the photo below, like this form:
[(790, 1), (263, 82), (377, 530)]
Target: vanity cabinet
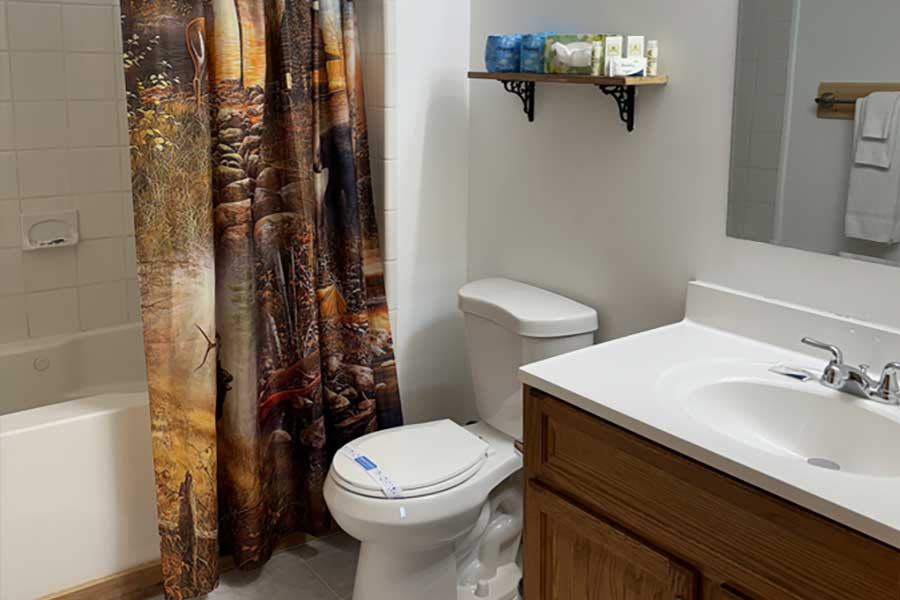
[(610, 515)]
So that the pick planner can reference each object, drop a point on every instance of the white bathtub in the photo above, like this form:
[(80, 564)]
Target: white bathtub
[(77, 497)]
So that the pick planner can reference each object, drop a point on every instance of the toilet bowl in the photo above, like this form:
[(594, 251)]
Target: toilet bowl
[(436, 506)]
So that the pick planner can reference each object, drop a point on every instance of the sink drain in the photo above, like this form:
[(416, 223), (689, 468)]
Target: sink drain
[(824, 463)]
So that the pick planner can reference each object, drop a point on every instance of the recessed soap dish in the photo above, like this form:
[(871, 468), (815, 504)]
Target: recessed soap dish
[(56, 229)]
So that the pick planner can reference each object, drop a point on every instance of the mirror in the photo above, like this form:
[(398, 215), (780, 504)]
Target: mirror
[(824, 176)]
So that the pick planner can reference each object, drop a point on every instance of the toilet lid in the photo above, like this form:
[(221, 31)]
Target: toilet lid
[(420, 459)]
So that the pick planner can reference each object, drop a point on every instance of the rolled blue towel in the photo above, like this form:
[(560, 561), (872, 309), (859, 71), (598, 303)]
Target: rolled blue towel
[(533, 52), (503, 53)]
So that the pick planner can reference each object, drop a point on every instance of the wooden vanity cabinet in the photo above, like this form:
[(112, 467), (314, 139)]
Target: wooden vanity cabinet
[(610, 515)]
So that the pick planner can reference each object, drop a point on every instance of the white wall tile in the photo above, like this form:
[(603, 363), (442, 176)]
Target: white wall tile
[(125, 168), (12, 279), (389, 170), (8, 178), (128, 214), (37, 75), (91, 76), (5, 78), (768, 113), (43, 172), (52, 313), (765, 150), (13, 319), (390, 234), (389, 85), (102, 305), (390, 133), (88, 28), (40, 124), (49, 269), (7, 137), (122, 123), (4, 41), (130, 257), (45, 204), (762, 186), (391, 273), (133, 299), (389, 43), (9, 224), (93, 123), (100, 215), (101, 260), (34, 26), (94, 170)]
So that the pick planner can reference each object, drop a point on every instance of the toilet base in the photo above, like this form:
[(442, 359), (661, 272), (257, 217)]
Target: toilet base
[(503, 586), (389, 573)]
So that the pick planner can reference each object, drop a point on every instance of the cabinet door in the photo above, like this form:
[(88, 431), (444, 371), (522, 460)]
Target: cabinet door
[(573, 555)]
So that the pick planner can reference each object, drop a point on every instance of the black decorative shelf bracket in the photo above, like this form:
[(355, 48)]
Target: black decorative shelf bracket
[(624, 97), (525, 91)]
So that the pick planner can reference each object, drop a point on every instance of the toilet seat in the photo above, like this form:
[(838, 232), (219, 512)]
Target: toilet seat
[(420, 459)]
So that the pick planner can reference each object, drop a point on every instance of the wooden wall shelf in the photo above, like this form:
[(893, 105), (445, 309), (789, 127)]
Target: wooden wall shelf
[(622, 89)]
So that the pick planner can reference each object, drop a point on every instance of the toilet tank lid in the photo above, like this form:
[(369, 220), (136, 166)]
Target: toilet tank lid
[(526, 310)]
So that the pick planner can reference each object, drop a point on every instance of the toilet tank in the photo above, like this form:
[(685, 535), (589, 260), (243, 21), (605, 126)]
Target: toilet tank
[(510, 324)]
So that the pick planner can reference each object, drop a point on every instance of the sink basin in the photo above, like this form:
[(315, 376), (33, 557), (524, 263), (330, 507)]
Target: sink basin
[(805, 421)]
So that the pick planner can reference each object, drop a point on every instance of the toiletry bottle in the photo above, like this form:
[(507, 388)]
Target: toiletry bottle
[(613, 50), (652, 58), (597, 59)]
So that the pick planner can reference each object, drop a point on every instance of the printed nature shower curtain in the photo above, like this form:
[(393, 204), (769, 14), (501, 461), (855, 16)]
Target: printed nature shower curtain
[(265, 324)]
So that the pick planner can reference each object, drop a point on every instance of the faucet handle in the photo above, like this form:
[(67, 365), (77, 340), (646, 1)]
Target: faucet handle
[(837, 355), (888, 389)]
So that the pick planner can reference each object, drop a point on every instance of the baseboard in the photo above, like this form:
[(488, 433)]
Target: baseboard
[(146, 580)]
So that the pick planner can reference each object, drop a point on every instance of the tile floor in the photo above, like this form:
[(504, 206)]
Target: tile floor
[(321, 569)]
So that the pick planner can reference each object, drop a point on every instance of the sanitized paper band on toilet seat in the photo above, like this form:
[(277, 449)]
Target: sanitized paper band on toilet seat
[(387, 485)]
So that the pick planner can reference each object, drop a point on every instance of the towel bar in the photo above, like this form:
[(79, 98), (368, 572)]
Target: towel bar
[(829, 100)]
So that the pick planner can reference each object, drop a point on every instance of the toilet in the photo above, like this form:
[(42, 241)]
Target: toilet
[(437, 506)]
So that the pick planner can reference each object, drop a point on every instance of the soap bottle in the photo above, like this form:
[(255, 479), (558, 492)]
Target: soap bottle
[(597, 59), (652, 58)]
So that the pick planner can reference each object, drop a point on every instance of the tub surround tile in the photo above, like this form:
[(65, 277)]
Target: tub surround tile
[(9, 224), (13, 279), (52, 313), (43, 172), (7, 137), (91, 76), (100, 215), (133, 299), (9, 186), (34, 26), (38, 75), (102, 305), (130, 257), (49, 269), (13, 319), (101, 261), (5, 78), (40, 124), (45, 204), (95, 170), (90, 123), (88, 28), (4, 41)]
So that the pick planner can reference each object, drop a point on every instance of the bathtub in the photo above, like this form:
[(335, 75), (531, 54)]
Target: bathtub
[(77, 496)]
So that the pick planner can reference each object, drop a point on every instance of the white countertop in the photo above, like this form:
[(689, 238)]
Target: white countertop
[(626, 382)]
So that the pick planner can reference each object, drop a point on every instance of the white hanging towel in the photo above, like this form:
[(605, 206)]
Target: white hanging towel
[(873, 204), (875, 147)]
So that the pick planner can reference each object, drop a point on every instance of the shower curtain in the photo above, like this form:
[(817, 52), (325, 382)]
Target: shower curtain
[(265, 323)]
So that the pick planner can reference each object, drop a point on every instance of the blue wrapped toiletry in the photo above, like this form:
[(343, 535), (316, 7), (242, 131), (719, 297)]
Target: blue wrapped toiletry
[(533, 52), (503, 53)]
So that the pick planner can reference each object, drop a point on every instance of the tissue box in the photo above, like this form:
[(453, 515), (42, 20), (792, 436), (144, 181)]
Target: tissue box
[(503, 53), (533, 52), (574, 57)]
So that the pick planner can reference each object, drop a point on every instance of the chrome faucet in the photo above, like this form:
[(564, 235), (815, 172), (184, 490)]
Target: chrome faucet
[(856, 380)]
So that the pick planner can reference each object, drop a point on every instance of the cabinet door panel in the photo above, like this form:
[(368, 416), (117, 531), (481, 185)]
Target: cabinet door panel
[(573, 555)]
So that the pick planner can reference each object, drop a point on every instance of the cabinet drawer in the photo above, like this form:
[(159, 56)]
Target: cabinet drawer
[(729, 530), (574, 555)]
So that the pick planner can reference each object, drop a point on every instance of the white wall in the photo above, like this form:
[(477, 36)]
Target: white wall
[(432, 185), (575, 204), (832, 38), (63, 144)]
